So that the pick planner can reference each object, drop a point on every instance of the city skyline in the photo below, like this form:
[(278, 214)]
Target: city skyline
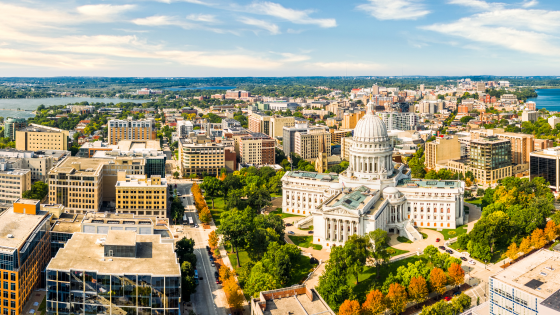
[(196, 38)]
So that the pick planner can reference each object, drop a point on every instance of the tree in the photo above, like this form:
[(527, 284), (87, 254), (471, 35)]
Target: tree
[(512, 251), (356, 254), (212, 187), (235, 225), (260, 280), (538, 239), (350, 307), (38, 191), (333, 283), (550, 231), (234, 295), (188, 284), (525, 246), (379, 242), (205, 216), (396, 298), (176, 174), (213, 239), (185, 250), (226, 273), (456, 274), (374, 304), (418, 289), (438, 280)]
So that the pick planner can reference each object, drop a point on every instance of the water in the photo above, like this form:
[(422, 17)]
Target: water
[(548, 98), (33, 103), (202, 88)]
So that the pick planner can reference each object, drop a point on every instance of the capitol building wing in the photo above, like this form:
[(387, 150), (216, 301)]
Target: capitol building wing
[(373, 193)]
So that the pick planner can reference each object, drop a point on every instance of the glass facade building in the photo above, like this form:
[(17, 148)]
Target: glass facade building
[(155, 166)]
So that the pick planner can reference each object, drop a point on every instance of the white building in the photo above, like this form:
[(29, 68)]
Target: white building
[(373, 193), (528, 287), (398, 120), (529, 115)]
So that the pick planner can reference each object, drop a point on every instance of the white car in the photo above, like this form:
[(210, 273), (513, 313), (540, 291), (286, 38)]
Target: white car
[(472, 262)]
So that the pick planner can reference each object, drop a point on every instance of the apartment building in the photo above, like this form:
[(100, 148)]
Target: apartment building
[(529, 115), (345, 145), (288, 138), (553, 121), (37, 137), (141, 195), (541, 144), (546, 164), (121, 272), (198, 157), (398, 120), (490, 159), (25, 243), (441, 150), (129, 129), (257, 149), (337, 135), (11, 125), (521, 144), (259, 122), (308, 144), (277, 124), (349, 120), (530, 286)]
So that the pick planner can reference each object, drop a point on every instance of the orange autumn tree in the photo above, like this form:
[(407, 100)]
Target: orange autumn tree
[(512, 251), (538, 240), (456, 274), (226, 273), (418, 289), (396, 298), (350, 307), (374, 304), (438, 280), (213, 239), (205, 215), (234, 294), (550, 231), (525, 246)]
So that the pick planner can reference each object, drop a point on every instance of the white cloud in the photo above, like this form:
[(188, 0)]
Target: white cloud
[(294, 16), (479, 4), (189, 1), (271, 27), (345, 65), (394, 9), (529, 3), (104, 10), (207, 18), (157, 20)]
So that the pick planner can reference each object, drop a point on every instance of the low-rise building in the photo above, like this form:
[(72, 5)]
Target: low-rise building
[(140, 195), (296, 300), (529, 115), (198, 156), (546, 164), (37, 137), (441, 150)]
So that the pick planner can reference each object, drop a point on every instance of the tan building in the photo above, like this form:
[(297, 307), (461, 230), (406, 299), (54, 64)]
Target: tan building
[(129, 129), (37, 137), (337, 135), (257, 149), (139, 195), (541, 144), (349, 120), (345, 145), (259, 123), (521, 144), (308, 144), (442, 149), (12, 185), (277, 124), (198, 157)]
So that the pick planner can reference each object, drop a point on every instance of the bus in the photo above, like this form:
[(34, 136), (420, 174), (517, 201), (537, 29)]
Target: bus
[(191, 221), (196, 276)]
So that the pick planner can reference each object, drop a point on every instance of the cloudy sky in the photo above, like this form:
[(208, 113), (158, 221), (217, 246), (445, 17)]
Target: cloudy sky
[(279, 37)]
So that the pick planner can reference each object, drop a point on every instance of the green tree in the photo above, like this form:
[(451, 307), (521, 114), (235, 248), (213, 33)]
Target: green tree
[(379, 243), (188, 284), (212, 187), (38, 191), (235, 226), (356, 252), (333, 283), (185, 250)]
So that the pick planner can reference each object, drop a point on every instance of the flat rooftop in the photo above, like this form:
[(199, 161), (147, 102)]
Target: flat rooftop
[(122, 238), (354, 200), (130, 145), (416, 183), (68, 223), (313, 176), (152, 257), (538, 274), (19, 226), (296, 301), (87, 166), (27, 201)]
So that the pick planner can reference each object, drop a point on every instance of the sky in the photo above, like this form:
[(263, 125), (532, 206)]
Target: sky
[(218, 38)]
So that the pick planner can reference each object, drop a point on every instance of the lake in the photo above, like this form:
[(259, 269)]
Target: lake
[(33, 103), (202, 88), (548, 98)]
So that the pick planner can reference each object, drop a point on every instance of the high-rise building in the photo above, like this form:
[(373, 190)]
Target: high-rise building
[(277, 124), (121, 273), (288, 138), (259, 123), (129, 129), (480, 87), (11, 125), (398, 120), (26, 250), (308, 144), (442, 149), (198, 158), (521, 144), (37, 137), (529, 115), (490, 159), (257, 149), (141, 195), (546, 164), (530, 286), (349, 120), (553, 121)]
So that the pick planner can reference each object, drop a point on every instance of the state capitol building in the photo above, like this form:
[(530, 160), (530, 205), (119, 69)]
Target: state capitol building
[(373, 193)]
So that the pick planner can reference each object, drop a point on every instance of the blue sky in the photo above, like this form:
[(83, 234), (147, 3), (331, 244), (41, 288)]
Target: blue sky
[(186, 38)]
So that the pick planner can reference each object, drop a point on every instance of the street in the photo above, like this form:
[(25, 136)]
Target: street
[(209, 299)]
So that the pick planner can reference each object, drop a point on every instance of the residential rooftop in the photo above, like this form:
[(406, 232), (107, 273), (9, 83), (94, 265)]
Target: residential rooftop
[(15, 228), (85, 252)]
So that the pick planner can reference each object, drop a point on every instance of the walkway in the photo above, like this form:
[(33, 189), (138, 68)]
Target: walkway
[(418, 245), (475, 213)]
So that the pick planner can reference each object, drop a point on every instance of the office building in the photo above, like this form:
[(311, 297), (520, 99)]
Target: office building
[(227, 123), (37, 137), (529, 115), (141, 195), (308, 144), (38, 162), (553, 121), (541, 144), (277, 124), (530, 286), (490, 160), (283, 106), (121, 272), (11, 125), (521, 144), (398, 120), (345, 145), (296, 300), (441, 150), (129, 129), (480, 87), (88, 149), (259, 122), (184, 127), (349, 120), (257, 149), (546, 164), (337, 135), (199, 157), (25, 251), (149, 150), (288, 138)]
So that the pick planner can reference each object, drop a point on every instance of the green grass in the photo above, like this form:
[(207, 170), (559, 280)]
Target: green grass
[(310, 228), (43, 306), (219, 206), (395, 251), (278, 211), (475, 201), (403, 239), (424, 235), (305, 242), (276, 195), (243, 258), (448, 233), (555, 243)]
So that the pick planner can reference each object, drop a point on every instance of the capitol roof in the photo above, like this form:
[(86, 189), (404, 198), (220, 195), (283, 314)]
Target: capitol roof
[(314, 176), (413, 183), (370, 128), (353, 199)]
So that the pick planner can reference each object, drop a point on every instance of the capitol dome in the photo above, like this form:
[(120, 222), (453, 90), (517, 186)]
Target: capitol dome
[(370, 128)]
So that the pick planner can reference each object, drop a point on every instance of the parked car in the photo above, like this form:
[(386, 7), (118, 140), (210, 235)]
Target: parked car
[(310, 232), (216, 275), (196, 226), (291, 232), (472, 262), (179, 194), (441, 247), (437, 239), (463, 258), (449, 251), (447, 298), (457, 293), (207, 248), (175, 185), (288, 224), (212, 263)]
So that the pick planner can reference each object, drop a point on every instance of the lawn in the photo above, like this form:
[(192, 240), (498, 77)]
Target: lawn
[(217, 210), (278, 211), (43, 306), (475, 201), (304, 241), (309, 228), (403, 239), (395, 251), (448, 233), (496, 257), (276, 195), (243, 258)]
